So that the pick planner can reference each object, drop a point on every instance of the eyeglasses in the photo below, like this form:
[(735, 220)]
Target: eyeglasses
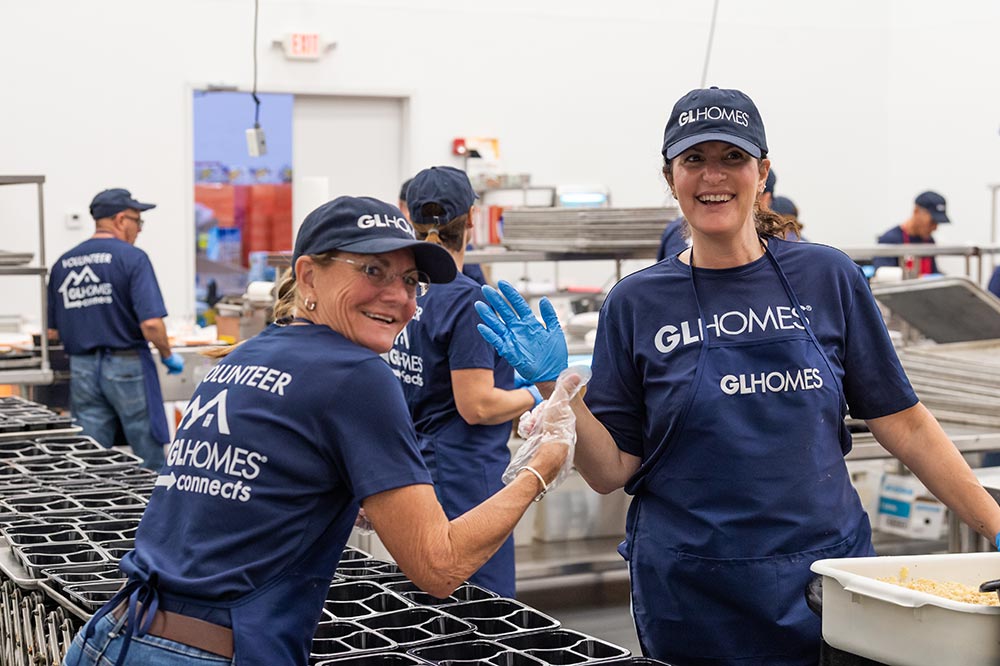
[(138, 221), (417, 283)]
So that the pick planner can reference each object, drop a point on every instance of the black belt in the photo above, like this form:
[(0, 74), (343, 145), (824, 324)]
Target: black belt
[(128, 351)]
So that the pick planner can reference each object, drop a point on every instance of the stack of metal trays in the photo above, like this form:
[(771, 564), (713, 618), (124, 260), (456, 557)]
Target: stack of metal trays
[(31, 631), (958, 382), (585, 230), (19, 415)]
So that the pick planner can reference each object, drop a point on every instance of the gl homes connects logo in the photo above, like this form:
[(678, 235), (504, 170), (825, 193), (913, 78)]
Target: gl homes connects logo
[(214, 409), (83, 288)]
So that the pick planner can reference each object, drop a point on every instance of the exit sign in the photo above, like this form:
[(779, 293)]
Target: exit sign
[(304, 45)]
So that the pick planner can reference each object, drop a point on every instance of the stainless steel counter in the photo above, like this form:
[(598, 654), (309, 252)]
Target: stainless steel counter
[(968, 439)]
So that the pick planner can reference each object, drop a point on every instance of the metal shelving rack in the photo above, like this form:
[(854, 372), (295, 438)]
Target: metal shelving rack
[(42, 374)]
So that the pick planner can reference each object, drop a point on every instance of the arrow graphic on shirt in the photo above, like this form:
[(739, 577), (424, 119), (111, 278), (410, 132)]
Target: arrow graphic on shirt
[(164, 480)]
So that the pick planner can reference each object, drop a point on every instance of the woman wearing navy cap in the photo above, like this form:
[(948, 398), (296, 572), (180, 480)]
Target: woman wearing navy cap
[(279, 444), (460, 392), (721, 380)]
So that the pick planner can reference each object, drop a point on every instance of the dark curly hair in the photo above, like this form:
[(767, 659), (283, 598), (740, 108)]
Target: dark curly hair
[(768, 223)]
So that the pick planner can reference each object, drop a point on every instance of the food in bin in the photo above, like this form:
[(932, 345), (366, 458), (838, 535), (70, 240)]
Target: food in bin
[(948, 589)]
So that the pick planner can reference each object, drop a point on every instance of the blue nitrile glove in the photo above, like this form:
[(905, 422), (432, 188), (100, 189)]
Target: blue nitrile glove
[(520, 382), (174, 363), (537, 352), (996, 541), (537, 395)]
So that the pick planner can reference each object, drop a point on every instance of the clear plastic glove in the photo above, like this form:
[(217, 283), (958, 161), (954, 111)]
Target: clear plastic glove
[(536, 351), (551, 421), (174, 363)]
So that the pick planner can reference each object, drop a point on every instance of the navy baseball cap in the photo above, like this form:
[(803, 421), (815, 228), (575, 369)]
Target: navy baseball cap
[(403, 188), (113, 201), (364, 225), (714, 114), (772, 178), (934, 204), (784, 206), (446, 186)]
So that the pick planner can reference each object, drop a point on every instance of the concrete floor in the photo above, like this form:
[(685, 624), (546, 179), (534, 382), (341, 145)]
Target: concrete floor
[(611, 623), (594, 605)]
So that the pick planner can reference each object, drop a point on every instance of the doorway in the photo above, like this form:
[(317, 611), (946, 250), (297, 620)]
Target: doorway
[(243, 204), (247, 209)]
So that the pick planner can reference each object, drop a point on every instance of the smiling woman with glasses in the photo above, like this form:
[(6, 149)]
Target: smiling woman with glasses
[(417, 283), (310, 422)]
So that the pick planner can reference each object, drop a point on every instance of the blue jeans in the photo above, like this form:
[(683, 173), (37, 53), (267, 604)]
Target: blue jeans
[(100, 401), (103, 649)]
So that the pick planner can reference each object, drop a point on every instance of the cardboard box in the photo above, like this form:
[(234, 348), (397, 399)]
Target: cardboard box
[(906, 508)]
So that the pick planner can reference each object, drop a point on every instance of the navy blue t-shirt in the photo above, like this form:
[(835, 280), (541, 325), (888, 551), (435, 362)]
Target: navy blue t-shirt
[(994, 286), (896, 236), (649, 337), (475, 272), (673, 241), (279, 444), (99, 292), (441, 337)]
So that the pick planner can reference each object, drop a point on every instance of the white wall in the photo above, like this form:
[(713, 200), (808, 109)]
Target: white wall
[(866, 102)]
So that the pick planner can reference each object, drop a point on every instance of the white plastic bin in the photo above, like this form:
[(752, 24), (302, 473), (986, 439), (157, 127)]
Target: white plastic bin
[(903, 627)]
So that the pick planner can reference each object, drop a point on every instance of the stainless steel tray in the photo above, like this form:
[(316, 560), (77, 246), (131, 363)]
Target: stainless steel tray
[(944, 309), (12, 568), (8, 258), (31, 434)]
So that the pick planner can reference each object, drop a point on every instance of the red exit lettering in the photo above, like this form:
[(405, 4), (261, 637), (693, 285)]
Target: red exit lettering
[(304, 45)]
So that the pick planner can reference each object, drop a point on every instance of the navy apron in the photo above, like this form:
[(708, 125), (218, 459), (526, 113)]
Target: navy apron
[(269, 611), (735, 505), (154, 397), (465, 474)]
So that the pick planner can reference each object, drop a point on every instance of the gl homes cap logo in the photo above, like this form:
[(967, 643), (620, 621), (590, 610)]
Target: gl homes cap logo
[(934, 204), (714, 114), (364, 225)]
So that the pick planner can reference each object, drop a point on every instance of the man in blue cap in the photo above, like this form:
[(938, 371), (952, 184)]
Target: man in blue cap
[(106, 305), (928, 212)]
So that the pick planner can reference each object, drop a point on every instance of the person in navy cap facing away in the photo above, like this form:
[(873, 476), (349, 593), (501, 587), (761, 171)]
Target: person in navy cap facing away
[(281, 442), (786, 208), (677, 237), (994, 284), (928, 212), (721, 378), (461, 394), (474, 271), (105, 303)]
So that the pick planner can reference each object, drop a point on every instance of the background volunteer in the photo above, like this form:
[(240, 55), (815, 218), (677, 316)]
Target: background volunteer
[(232, 562), (731, 437), (460, 393), (105, 303), (474, 271), (928, 212)]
